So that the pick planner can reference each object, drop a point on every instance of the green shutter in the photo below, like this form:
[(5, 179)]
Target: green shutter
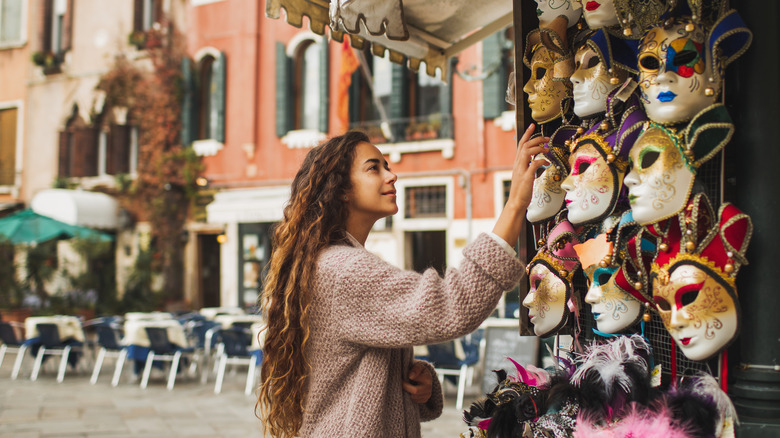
[(399, 101), (354, 97), (445, 103), (217, 116), (283, 104), (494, 86), (324, 84), (188, 110)]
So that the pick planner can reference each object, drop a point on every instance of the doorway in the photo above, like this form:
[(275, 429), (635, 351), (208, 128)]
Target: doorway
[(427, 249), (209, 278)]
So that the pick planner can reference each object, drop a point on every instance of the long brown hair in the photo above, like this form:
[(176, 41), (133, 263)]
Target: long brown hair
[(314, 218)]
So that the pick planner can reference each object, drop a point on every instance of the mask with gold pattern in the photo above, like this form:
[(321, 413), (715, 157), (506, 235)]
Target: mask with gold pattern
[(550, 272), (547, 195), (681, 64), (549, 58), (693, 277)]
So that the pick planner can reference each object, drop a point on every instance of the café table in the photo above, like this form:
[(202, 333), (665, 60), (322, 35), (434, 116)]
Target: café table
[(212, 312)]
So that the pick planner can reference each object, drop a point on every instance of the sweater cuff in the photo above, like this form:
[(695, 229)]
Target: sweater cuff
[(507, 247), (432, 409)]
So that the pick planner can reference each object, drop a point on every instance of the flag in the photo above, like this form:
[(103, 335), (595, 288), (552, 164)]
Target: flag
[(349, 63)]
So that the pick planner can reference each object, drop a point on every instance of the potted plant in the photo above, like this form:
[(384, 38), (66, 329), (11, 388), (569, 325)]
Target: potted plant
[(49, 61), (137, 38)]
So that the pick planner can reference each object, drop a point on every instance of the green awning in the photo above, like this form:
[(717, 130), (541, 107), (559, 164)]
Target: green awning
[(30, 227)]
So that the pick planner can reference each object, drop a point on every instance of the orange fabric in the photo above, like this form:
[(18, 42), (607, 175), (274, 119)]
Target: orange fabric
[(349, 63)]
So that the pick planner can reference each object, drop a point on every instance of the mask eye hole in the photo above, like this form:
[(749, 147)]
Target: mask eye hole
[(649, 62), (603, 278), (540, 171), (649, 158), (582, 167), (540, 72), (663, 304), (689, 297), (685, 57), (592, 62), (537, 282)]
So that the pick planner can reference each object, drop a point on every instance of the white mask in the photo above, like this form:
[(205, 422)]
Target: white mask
[(549, 10), (613, 309), (599, 13), (547, 197)]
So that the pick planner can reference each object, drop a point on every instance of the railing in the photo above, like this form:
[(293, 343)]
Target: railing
[(422, 128)]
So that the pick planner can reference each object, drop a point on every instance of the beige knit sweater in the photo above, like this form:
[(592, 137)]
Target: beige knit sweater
[(365, 317)]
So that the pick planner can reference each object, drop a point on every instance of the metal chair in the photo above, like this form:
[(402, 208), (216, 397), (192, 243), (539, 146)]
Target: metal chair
[(446, 363), (233, 350), (49, 335), (161, 349), (11, 344), (109, 344)]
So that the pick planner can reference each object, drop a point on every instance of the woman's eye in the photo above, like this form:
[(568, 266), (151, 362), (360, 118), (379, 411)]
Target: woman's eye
[(593, 61), (582, 167), (649, 158), (685, 57), (540, 72), (689, 297), (650, 62), (662, 304)]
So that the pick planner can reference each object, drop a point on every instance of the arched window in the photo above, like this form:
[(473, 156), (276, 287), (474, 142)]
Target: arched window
[(203, 103), (307, 86)]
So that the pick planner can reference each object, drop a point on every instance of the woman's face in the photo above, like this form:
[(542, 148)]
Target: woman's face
[(613, 309), (591, 83), (599, 13), (659, 181), (547, 197), (549, 10), (590, 186), (699, 312), (544, 93), (673, 74), (546, 300), (373, 195)]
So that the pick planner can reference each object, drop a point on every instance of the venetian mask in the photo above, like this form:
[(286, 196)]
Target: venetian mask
[(693, 276), (660, 180), (599, 13), (548, 10), (592, 186), (546, 300), (613, 309), (675, 79), (697, 310), (591, 80), (547, 196), (544, 92)]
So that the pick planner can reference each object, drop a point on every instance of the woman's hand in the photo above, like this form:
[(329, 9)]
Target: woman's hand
[(420, 384), (510, 222)]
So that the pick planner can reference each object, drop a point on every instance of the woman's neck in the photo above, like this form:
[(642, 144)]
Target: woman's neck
[(359, 229)]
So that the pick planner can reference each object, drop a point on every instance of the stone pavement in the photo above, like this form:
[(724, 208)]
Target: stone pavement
[(74, 408)]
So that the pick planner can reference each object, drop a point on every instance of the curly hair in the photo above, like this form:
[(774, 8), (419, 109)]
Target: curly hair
[(314, 218)]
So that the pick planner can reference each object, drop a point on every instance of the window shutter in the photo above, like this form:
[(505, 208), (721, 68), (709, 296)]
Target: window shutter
[(64, 156), (494, 86), (188, 110), (445, 103), (67, 28), (399, 100), (283, 92), (324, 84), (8, 146), (46, 17), (84, 154), (217, 93), (118, 150), (355, 96), (138, 15), (157, 12)]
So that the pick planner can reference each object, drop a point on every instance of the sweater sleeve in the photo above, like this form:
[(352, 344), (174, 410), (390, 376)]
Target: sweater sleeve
[(432, 409), (372, 303)]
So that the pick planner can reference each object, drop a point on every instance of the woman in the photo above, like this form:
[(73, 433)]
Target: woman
[(342, 322)]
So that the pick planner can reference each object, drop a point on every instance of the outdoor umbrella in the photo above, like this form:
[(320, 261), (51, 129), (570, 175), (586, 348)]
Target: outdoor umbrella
[(30, 227)]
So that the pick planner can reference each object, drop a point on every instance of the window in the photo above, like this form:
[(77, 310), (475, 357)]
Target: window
[(11, 22), (146, 13), (203, 103), (497, 63), (302, 80), (57, 19), (8, 119), (425, 202), (118, 150)]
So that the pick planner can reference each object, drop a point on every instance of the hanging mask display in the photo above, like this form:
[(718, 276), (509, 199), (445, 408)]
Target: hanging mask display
[(547, 196), (693, 277), (598, 159), (681, 64), (549, 10), (549, 58), (549, 300)]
